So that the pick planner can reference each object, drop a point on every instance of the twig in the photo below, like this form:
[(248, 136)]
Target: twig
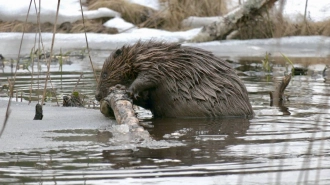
[(74, 89), (19, 52), (89, 55), (51, 53)]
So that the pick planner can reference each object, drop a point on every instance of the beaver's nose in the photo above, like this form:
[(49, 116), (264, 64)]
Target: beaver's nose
[(98, 96)]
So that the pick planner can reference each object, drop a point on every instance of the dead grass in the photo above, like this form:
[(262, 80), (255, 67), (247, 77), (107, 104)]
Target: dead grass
[(264, 27), (177, 10), (95, 26), (170, 18), (131, 12)]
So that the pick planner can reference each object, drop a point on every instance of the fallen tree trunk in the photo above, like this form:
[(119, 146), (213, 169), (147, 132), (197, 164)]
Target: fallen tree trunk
[(230, 22), (122, 108)]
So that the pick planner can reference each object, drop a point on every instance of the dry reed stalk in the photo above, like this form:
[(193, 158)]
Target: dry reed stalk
[(92, 25), (181, 9), (74, 89), (52, 87), (130, 12), (39, 32), (30, 98), (10, 97), (88, 50), (51, 52)]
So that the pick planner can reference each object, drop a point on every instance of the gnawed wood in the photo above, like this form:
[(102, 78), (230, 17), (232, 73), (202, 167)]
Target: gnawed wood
[(118, 104), (230, 22)]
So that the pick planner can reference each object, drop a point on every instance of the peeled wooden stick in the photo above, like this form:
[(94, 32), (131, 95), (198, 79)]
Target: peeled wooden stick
[(122, 108)]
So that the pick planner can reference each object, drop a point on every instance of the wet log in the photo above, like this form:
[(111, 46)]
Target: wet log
[(229, 23), (120, 105)]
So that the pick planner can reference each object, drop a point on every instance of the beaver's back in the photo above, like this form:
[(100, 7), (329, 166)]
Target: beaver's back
[(176, 81), (201, 85)]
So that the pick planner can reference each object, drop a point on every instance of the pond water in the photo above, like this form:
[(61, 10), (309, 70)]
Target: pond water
[(288, 144)]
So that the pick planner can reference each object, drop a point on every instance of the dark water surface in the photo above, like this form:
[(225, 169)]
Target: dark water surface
[(289, 144)]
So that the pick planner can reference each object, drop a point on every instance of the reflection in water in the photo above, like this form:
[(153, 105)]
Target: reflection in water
[(229, 151), (203, 139)]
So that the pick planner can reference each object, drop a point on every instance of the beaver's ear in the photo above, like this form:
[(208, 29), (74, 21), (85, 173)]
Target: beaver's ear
[(117, 53)]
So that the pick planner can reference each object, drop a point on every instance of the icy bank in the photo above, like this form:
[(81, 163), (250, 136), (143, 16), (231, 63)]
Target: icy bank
[(300, 46)]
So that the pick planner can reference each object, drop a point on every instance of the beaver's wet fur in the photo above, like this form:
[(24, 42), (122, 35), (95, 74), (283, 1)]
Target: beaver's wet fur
[(175, 81)]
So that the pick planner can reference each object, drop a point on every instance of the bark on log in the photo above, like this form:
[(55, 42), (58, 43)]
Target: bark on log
[(227, 24), (122, 108)]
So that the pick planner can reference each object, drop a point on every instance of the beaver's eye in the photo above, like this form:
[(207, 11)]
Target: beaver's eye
[(104, 75), (117, 53)]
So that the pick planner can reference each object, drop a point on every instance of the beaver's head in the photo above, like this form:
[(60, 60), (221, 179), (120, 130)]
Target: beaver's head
[(117, 69)]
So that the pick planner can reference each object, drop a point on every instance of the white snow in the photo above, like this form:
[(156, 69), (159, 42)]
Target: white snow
[(154, 4), (120, 24), (69, 11), (96, 41), (302, 46), (317, 10)]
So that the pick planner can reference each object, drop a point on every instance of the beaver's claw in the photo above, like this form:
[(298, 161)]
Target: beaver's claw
[(132, 94)]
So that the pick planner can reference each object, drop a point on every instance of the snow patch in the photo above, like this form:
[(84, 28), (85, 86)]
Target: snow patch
[(154, 4), (69, 11), (120, 24), (317, 10)]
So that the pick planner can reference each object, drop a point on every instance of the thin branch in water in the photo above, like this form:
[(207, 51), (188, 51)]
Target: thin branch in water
[(89, 55), (74, 89), (51, 53), (38, 59), (32, 53), (19, 52), (52, 87)]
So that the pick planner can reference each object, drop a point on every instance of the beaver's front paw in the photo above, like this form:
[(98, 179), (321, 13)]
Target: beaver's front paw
[(132, 93)]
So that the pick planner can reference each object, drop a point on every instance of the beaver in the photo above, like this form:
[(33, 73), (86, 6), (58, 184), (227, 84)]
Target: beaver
[(172, 80)]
